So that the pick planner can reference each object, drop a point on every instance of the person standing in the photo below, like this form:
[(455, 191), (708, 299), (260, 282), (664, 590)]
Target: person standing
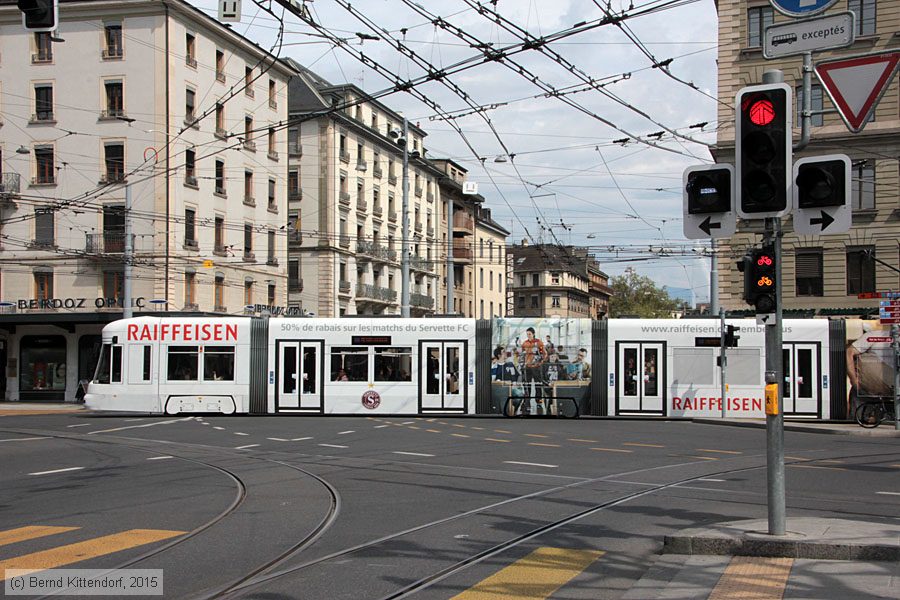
[(535, 357)]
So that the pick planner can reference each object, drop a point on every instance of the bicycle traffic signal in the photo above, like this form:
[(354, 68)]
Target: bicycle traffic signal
[(39, 15), (759, 279), (763, 150)]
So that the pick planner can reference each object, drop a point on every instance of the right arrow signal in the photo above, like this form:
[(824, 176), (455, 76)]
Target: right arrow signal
[(707, 225), (825, 220)]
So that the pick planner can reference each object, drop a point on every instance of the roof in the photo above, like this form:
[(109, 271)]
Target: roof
[(541, 257)]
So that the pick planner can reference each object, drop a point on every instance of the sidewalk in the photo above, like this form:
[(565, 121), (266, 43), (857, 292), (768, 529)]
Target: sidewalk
[(828, 427), (11, 409), (818, 558)]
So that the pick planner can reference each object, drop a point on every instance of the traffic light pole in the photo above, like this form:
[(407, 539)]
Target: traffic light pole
[(774, 374)]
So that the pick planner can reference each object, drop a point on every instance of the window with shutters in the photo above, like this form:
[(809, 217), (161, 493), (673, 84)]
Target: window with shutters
[(808, 265), (114, 162), (113, 285), (43, 285), (43, 102), (45, 169), (44, 227), (860, 270), (113, 46), (115, 99)]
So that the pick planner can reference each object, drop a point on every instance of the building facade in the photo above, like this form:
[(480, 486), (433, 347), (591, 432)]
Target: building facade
[(346, 196), (158, 98), (820, 274), (550, 280)]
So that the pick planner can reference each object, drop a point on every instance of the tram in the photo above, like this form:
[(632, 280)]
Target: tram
[(458, 366)]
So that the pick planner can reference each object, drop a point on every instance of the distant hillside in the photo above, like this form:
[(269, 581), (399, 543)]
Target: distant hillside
[(683, 294)]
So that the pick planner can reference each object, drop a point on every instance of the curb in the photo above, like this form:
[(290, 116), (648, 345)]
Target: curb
[(686, 544), (859, 431)]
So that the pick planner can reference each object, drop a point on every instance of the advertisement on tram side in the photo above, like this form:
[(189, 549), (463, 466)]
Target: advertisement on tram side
[(541, 366)]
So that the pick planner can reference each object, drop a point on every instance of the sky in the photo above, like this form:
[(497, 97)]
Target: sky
[(568, 177)]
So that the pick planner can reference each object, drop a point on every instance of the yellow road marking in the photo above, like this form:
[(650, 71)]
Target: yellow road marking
[(545, 445), (496, 440), (534, 577), (816, 467), (537, 435), (612, 450), (433, 430), (502, 431), (459, 435), (642, 445), (752, 578), (72, 553), (581, 440), (12, 536), (719, 451)]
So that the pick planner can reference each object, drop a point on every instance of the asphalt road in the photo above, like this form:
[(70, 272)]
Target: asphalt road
[(304, 507)]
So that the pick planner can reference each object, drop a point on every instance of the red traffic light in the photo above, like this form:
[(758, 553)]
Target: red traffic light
[(764, 260), (762, 112)]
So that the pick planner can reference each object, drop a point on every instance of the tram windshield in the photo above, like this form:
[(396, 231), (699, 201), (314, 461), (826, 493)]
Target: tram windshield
[(101, 375)]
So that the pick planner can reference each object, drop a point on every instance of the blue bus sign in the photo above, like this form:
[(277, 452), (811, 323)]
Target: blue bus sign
[(801, 8)]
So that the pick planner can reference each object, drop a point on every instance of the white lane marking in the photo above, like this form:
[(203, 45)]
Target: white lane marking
[(412, 453), (204, 423), (300, 439), (160, 457), (889, 493), (139, 426), (247, 446), (530, 464), (80, 425), (345, 432), (381, 426), (277, 439), (407, 422), (131, 420), (240, 433), (219, 428), (57, 471), (24, 439), (333, 446), (711, 479)]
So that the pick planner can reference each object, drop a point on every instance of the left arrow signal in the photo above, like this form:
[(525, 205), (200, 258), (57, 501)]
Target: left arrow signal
[(707, 225)]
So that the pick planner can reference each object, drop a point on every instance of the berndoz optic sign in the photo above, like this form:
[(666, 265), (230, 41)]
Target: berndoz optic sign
[(71, 303)]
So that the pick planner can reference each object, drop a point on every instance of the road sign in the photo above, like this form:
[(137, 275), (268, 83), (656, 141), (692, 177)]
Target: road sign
[(704, 190), (856, 84), (230, 11), (797, 37), (801, 8), (823, 219)]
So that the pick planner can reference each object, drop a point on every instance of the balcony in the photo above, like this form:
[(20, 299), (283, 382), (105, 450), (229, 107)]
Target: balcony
[(392, 179), (377, 173), (249, 257), (43, 116), (190, 61), (418, 263), (220, 76), (249, 200), (377, 211), (421, 300), (220, 309), (344, 241), (10, 185), (294, 195), (295, 285), (418, 226), (429, 196), (344, 198), (42, 57), (191, 245), (112, 53), (392, 216), (273, 104), (345, 156), (249, 145), (429, 231), (191, 181), (295, 236), (112, 114), (191, 307), (361, 205), (271, 261), (249, 92), (366, 291), (112, 178), (45, 179), (418, 191), (295, 149), (221, 133), (366, 249), (272, 206), (220, 250), (344, 287), (104, 243), (462, 252), (272, 155), (463, 222), (362, 165)]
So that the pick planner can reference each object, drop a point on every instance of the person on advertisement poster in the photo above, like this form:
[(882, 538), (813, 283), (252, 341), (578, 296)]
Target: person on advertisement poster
[(535, 357), (870, 365)]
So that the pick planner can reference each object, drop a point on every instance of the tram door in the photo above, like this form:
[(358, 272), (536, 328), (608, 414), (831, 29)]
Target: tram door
[(300, 376), (441, 367), (801, 379), (641, 377)]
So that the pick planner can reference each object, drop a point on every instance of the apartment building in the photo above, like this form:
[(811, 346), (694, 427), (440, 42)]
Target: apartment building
[(159, 98), (478, 245), (345, 187), (821, 274)]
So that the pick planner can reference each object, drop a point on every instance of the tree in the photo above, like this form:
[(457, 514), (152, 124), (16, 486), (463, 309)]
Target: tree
[(638, 296)]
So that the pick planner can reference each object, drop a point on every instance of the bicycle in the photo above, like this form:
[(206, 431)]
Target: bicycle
[(872, 413)]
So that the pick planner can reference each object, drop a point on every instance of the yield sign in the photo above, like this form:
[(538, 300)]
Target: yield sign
[(856, 84)]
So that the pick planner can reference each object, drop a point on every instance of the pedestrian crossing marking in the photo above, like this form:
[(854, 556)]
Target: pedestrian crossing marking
[(534, 577), (22, 534), (753, 577), (77, 552)]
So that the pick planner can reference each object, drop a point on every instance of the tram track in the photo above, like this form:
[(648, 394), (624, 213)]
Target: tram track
[(246, 584)]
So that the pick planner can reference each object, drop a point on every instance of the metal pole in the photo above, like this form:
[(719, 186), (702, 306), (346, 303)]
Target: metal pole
[(404, 244), (723, 359), (806, 109), (128, 257), (895, 333), (713, 278), (775, 374), (449, 309)]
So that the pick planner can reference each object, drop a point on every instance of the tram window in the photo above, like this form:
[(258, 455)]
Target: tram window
[(116, 376), (393, 364), (353, 361), (743, 367), (218, 363), (694, 365), (147, 363), (183, 363), (102, 373)]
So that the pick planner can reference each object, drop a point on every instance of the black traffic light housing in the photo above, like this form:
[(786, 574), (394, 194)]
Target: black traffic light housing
[(731, 340), (709, 191), (763, 150), (822, 183), (759, 279), (39, 15)]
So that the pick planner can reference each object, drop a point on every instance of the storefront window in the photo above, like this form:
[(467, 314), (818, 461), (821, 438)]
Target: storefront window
[(42, 370)]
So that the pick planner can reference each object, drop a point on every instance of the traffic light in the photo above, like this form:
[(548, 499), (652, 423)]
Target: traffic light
[(708, 205), (731, 340), (760, 279), (823, 181), (39, 15), (763, 150)]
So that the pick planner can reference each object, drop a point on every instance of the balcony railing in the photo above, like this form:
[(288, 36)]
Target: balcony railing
[(374, 292), (344, 241), (191, 307), (419, 191), (361, 205), (295, 285), (463, 221), (377, 210), (419, 226), (271, 261), (295, 149), (420, 264), (430, 196), (249, 145), (295, 194), (392, 179), (111, 114), (220, 76), (42, 57), (377, 172), (345, 156), (392, 216), (190, 180), (46, 179), (220, 308), (344, 287), (190, 61), (10, 184), (249, 256), (421, 300), (43, 116), (376, 251), (429, 231), (249, 200), (272, 154), (105, 243), (345, 198), (361, 165), (462, 251), (112, 52)]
